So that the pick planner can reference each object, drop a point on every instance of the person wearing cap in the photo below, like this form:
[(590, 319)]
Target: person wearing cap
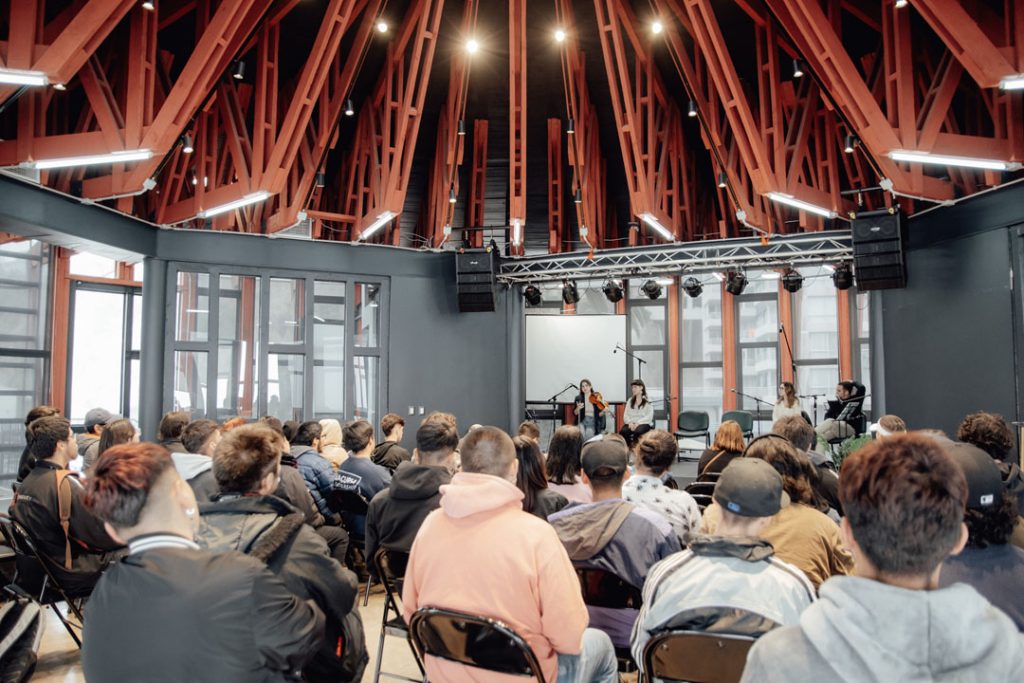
[(904, 499), (991, 433), (95, 420), (989, 563), (613, 534), (733, 573), (481, 553)]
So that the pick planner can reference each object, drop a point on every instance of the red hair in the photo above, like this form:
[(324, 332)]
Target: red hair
[(122, 480)]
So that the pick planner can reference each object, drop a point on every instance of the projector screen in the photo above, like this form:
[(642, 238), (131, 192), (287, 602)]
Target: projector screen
[(566, 348)]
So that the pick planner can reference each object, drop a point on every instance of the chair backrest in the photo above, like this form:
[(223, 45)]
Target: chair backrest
[(472, 640), (604, 589), (709, 476), (743, 418), (706, 488), (33, 566), (693, 421), (389, 565), (352, 502), (697, 657), (702, 499)]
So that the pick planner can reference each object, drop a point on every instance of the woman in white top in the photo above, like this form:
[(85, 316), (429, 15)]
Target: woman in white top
[(788, 404), (638, 418)]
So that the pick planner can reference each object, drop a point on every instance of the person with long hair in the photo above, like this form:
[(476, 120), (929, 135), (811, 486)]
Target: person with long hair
[(563, 464), (727, 446), (801, 534), (589, 419), (117, 432), (787, 403), (638, 418), (532, 480), (171, 608)]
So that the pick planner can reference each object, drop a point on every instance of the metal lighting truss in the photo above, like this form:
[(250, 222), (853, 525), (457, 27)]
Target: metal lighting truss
[(689, 258)]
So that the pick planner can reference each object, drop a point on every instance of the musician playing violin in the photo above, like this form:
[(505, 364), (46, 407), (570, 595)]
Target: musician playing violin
[(590, 407)]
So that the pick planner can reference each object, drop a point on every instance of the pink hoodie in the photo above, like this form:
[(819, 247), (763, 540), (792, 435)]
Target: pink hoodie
[(481, 554)]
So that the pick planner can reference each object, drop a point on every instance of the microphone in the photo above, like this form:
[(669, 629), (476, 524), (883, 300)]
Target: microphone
[(782, 327)]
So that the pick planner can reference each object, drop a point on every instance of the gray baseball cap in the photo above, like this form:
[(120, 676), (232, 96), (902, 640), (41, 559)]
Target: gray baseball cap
[(98, 416), (750, 487)]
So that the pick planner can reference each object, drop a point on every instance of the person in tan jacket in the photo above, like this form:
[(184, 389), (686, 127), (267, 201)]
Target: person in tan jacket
[(330, 442), (480, 553)]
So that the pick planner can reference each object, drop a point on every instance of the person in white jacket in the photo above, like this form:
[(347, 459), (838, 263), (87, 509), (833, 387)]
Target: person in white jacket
[(638, 418), (788, 403)]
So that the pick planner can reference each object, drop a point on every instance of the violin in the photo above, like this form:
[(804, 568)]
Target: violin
[(598, 400)]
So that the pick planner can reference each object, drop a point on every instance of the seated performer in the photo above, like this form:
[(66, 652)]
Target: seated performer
[(589, 410), (638, 418)]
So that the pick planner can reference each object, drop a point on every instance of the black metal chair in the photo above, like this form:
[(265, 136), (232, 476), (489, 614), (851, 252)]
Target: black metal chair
[(353, 508), (473, 640), (389, 566), (709, 476), (705, 488), (696, 657), (702, 499), (604, 589), (693, 423), (35, 571), (744, 418)]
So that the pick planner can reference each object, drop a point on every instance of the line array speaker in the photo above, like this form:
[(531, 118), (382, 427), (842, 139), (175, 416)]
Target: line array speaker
[(879, 250), (475, 280)]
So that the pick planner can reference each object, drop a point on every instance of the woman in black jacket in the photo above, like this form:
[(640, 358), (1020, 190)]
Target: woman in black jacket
[(170, 611), (532, 480)]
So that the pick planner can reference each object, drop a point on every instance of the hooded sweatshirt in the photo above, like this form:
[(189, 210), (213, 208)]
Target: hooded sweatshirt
[(197, 470), (396, 513), (863, 630), (330, 442), (511, 566)]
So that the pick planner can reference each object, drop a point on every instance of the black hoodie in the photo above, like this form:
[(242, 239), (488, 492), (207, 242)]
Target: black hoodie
[(396, 513)]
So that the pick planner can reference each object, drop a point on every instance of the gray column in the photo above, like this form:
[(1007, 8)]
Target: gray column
[(877, 351), (516, 356), (154, 334)]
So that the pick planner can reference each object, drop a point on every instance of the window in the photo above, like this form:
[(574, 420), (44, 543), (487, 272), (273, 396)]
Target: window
[(816, 340), (862, 342), (757, 330), (700, 352), (647, 339)]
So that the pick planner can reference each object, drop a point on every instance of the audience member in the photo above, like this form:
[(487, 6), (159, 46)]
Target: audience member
[(787, 404), (801, 534), (529, 429), (730, 582), (563, 464), (168, 434), (117, 432), (727, 446), (247, 517), (512, 567), (803, 438), (289, 428), (397, 512), (841, 413), (274, 423), (904, 500), (359, 473), (989, 563), (532, 480), (888, 425), (655, 452), (79, 553), (638, 417), (27, 460), (195, 465), (388, 453), (330, 442), (990, 433), (170, 611), (438, 416), (611, 534), (96, 421), (320, 477)]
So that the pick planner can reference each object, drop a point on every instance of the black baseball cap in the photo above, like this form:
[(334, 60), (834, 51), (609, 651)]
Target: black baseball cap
[(984, 480), (604, 458), (750, 487)]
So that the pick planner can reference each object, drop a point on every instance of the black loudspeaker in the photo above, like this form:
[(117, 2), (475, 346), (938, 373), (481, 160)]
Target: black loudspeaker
[(475, 279), (879, 250)]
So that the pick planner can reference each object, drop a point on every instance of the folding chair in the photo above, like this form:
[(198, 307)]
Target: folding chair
[(390, 568), (34, 569), (353, 507), (702, 499), (604, 589), (705, 488), (744, 418), (696, 657), (709, 476), (472, 640), (692, 423)]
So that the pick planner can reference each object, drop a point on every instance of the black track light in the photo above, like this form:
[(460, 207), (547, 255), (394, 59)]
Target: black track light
[(532, 295), (651, 289), (186, 144), (842, 276), (239, 72), (735, 283), (612, 291), (321, 179), (723, 180), (851, 144), (577, 196), (571, 128), (798, 69), (451, 196), (692, 111), (570, 293), (462, 127), (350, 108), (693, 287), (792, 281)]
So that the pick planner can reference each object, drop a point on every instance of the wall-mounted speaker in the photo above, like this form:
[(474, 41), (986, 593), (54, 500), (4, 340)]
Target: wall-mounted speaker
[(475, 280), (879, 250)]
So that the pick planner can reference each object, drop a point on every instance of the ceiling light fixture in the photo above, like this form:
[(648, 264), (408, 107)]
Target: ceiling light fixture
[(350, 108), (1015, 82), (91, 160), (570, 293), (59, 86), (253, 198), (657, 27), (321, 179), (798, 69), (842, 278), (790, 200), (452, 198), (692, 111), (900, 4), (944, 160), (239, 72), (472, 47), (559, 36), (612, 291), (850, 144), (792, 281), (186, 144), (462, 127), (19, 77), (735, 283), (723, 181), (533, 295), (517, 231), (693, 287), (650, 220), (148, 5), (378, 223), (571, 128), (577, 196), (651, 289), (382, 26)]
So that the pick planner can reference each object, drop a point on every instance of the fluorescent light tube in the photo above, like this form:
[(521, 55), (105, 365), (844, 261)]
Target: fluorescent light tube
[(719, 276), (18, 77), (238, 203), (664, 281), (1012, 82), (771, 275), (517, 231), (92, 160), (377, 224), (941, 159), (650, 220), (790, 200)]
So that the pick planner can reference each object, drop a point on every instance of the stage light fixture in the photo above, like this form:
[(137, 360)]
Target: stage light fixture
[(472, 47), (692, 110), (851, 144), (350, 108), (735, 283), (792, 281), (693, 287), (946, 160), (451, 196), (462, 127), (19, 77), (239, 71), (651, 289), (612, 291), (559, 36), (571, 128), (577, 196), (771, 275), (186, 144), (532, 295), (382, 26), (723, 181), (842, 277), (570, 293), (798, 69), (657, 27)]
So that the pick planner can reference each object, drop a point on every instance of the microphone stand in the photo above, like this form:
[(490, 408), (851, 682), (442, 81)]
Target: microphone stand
[(789, 347), (758, 403), (814, 398), (640, 370), (554, 406)]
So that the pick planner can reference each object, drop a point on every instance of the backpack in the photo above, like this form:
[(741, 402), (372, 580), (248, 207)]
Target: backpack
[(350, 655), (21, 630)]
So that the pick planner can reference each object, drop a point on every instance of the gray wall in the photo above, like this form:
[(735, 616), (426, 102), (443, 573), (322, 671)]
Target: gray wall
[(949, 340)]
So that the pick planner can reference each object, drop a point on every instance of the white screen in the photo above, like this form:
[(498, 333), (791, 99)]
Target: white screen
[(566, 348)]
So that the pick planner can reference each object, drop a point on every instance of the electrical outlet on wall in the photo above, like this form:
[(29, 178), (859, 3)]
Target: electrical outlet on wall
[(412, 410), (421, 410)]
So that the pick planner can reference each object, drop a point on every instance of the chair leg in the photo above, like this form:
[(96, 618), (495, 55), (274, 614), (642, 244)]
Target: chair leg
[(380, 645), (67, 625), (366, 594)]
